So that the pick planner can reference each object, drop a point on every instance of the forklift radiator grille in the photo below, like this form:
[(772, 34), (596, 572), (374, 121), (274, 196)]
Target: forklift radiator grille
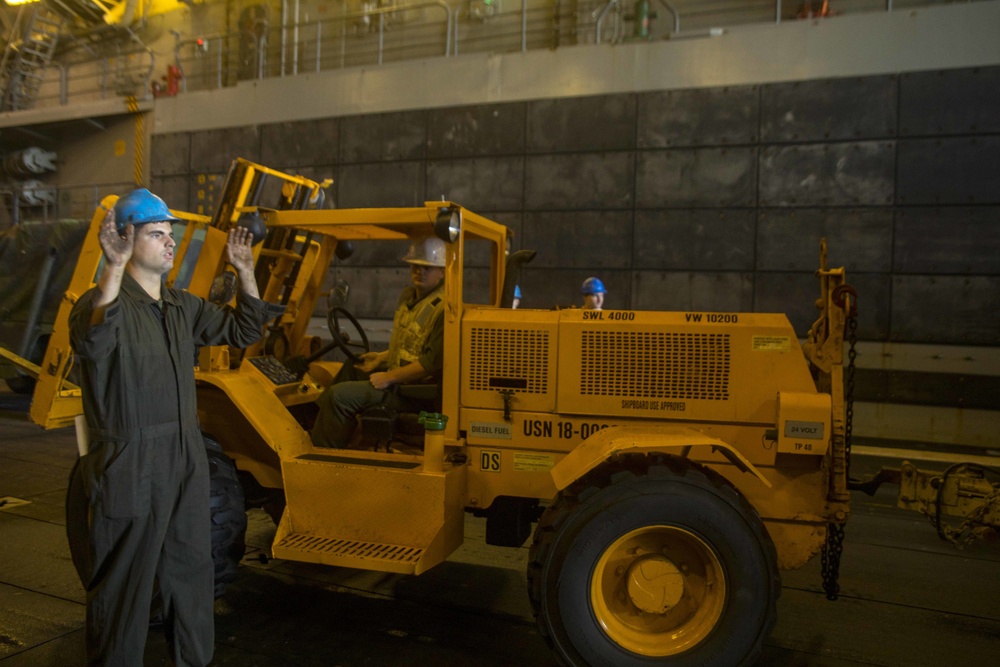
[(655, 365), (353, 548), (509, 358)]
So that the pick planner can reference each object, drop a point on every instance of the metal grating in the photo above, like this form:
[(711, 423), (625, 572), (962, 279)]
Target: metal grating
[(352, 548), (516, 358), (655, 365)]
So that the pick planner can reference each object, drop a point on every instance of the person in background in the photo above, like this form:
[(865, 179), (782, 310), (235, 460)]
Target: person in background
[(517, 297), (592, 290), (415, 354), (138, 501)]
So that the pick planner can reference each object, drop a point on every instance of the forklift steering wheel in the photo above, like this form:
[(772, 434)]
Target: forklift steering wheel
[(341, 339)]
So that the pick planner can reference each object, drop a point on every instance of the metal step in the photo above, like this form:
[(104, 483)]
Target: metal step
[(349, 553), (370, 511)]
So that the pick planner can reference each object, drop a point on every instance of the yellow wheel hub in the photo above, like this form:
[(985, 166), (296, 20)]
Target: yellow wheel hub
[(658, 590)]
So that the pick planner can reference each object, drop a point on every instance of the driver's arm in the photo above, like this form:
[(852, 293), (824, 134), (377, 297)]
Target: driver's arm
[(373, 360), (430, 362)]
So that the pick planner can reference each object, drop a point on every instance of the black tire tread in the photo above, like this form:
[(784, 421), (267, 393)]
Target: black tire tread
[(618, 470)]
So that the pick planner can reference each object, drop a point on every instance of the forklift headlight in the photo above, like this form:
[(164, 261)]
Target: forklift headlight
[(447, 224)]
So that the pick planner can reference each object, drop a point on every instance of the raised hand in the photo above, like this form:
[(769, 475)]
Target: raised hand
[(117, 247), (240, 254), (238, 249)]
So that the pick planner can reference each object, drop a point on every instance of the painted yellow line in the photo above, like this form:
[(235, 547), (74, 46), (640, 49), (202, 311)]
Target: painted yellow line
[(918, 455)]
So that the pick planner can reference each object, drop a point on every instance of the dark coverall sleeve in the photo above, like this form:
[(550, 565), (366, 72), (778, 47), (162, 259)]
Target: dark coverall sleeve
[(215, 325), (93, 341)]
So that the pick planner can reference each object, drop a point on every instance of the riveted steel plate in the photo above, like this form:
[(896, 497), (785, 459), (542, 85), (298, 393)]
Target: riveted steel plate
[(962, 239), (174, 190), (959, 170), (215, 150), (560, 288), (605, 122), (695, 239), (696, 177), (859, 239), (957, 101), (385, 136), (381, 184), (847, 174), (285, 146), (956, 310), (583, 239), (719, 291), (835, 109), (795, 294), (490, 129), (701, 117), (579, 181), (170, 154), (480, 184), (374, 292)]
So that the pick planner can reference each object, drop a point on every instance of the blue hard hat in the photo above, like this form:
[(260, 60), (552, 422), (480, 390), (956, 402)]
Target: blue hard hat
[(139, 207), (592, 285), (517, 291)]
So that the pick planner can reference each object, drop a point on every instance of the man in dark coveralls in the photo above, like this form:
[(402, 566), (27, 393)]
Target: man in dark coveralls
[(138, 503)]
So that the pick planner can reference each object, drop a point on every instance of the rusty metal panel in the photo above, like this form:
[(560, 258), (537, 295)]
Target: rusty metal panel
[(836, 109), (380, 184), (386, 136), (205, 190), (580, 181), (701, 117), (846, 174), (175, 190), (481, 184), (605, 122), (304, 143), (729, 291), (488, 129), (695, 239), (560, 288), (716, 177), (795, 294), (963, 239), (595, 240), (859, 239), (215, 150), (956, 101), (960, 170), (959, 310), (170, 154)]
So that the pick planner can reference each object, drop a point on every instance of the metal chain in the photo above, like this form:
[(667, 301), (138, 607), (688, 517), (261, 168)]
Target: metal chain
[(834, 546)]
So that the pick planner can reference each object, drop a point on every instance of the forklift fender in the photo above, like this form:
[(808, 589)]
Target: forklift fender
[(635, 439)]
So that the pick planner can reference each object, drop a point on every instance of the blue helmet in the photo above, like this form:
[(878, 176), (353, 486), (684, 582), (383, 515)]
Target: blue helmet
[(139, 207), (592, 285), (517, 291)]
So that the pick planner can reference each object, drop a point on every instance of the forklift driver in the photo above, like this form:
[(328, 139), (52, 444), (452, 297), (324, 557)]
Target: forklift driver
[(415, 354)]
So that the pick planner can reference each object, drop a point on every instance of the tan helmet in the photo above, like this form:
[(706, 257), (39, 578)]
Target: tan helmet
[(426, 251)]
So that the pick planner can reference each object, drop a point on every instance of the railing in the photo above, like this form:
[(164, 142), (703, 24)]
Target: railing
[(384, 33), (99, 78)]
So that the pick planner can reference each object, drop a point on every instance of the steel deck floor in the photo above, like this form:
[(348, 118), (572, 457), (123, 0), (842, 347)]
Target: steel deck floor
[(907, 598)]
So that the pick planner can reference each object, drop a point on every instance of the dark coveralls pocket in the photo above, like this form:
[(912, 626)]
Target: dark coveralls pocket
[(117, 477)]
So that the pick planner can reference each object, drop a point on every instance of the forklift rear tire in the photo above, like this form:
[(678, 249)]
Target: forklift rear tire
[(653, 561), (229, 517)]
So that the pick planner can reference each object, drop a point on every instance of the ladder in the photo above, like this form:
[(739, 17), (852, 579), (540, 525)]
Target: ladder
[(25, 60)]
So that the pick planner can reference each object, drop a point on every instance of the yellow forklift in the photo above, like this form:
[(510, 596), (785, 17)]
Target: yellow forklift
[(671, 463)]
